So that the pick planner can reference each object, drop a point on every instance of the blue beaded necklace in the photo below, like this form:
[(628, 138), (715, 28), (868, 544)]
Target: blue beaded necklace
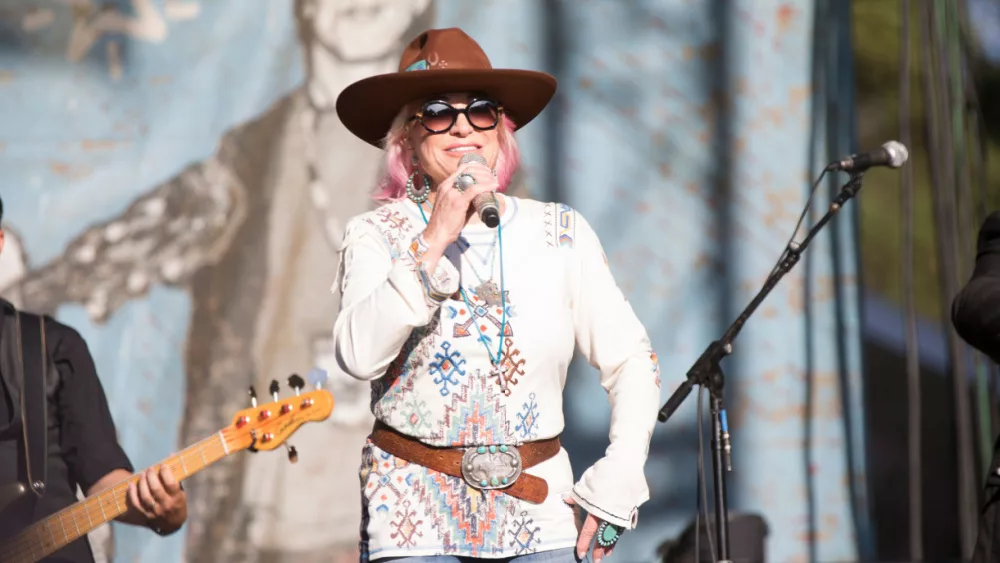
[(503, 307)]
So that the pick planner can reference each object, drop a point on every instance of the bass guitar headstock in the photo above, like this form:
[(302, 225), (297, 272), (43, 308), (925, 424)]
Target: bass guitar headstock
[(268, 426)]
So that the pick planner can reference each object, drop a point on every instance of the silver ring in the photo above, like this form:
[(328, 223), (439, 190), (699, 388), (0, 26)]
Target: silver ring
[(459, 184)]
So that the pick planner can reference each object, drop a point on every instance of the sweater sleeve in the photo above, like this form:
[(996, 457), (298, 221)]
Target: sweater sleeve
[(614, 341), (383, 298)]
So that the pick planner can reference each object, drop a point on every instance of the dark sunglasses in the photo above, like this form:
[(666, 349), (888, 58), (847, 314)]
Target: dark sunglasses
[(438, 116)]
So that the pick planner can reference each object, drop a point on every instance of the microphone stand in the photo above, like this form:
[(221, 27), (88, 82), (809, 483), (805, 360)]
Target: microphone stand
[(708, 373)]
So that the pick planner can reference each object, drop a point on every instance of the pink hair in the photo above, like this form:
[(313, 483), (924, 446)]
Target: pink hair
[(397, 167)]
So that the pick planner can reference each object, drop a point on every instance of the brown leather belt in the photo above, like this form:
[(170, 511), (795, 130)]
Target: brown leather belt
[(490, 467)]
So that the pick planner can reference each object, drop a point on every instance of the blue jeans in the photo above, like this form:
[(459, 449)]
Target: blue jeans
[(567, 555)]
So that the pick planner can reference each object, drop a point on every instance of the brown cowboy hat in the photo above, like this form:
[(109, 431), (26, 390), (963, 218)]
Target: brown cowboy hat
[(439, 61)]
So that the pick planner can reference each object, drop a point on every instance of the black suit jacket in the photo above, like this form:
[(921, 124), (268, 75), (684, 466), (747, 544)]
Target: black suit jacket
[(975, 313), (82, 440)]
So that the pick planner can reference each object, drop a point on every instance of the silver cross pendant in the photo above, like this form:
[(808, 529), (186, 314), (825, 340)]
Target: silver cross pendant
[(498, 374)]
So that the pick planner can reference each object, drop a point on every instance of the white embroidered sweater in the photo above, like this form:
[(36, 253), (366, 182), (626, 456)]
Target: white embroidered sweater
[(414, 337)]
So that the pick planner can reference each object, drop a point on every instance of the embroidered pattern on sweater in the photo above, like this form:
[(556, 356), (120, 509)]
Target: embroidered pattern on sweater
[(524, 535), (656, 366), (526, 429), (467, 518), (416, 414), (448, 365), (559, 224), (511, 367), (406, 526), (549, 221), (567, 226), (386, 480), (476, 416), (392, 224), (488, 317), (388, 390)]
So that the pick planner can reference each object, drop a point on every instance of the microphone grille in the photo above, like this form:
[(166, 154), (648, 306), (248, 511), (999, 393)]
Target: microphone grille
[(471, 157), (898, 154)]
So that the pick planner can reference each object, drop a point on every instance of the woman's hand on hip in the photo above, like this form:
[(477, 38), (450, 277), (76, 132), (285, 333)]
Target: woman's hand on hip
[(453, 207), (587, 537)]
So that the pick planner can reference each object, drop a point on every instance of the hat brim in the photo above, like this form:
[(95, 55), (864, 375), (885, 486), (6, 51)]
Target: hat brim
[(368, 107)]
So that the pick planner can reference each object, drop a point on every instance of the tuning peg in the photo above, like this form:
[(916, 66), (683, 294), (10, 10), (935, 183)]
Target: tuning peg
[(274, 389), (293, 454), (317, 377), (253, 397), (296, 382)]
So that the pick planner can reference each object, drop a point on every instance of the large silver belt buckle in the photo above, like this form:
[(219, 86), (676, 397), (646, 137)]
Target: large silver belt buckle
[(491, 467)]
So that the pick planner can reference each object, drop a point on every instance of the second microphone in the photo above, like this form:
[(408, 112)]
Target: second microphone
[(485, 203)]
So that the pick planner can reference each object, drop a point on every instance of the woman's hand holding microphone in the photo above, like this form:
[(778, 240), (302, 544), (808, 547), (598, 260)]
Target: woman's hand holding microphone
[(453, 209)]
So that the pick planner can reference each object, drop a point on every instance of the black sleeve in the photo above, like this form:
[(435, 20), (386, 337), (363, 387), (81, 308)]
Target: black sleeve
[(975, 311), (86, 431)]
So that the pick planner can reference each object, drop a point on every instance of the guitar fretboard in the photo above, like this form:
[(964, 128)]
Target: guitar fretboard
[(45, 537)]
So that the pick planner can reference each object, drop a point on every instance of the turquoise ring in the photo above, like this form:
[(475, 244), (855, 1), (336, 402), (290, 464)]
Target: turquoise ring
[(608, 534)]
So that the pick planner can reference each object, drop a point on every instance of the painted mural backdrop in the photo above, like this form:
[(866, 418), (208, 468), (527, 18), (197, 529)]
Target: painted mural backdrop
[(177, 183)]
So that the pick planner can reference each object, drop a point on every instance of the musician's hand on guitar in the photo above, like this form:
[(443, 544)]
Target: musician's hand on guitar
[(160, 498)]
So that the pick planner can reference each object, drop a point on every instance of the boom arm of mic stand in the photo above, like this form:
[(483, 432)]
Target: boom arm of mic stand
[(707, 369)]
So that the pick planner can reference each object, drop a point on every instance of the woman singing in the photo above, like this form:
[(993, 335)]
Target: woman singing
[(466, 331)]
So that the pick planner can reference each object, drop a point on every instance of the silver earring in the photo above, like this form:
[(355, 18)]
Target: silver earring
[(416, 195)]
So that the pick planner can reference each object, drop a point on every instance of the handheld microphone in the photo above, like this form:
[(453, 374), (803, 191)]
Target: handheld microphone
[(892, 154), (485, 203)]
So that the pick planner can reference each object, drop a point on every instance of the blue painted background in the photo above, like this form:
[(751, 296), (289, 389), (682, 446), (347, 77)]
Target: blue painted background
[(687, 132)]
